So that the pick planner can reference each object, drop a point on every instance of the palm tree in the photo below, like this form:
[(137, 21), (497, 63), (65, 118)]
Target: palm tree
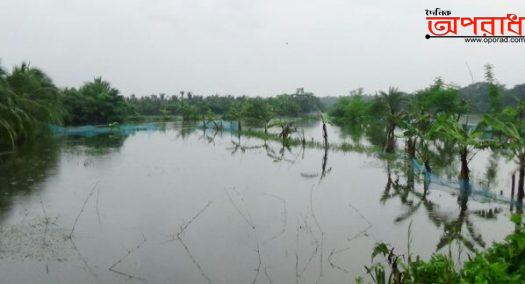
[(393, 101), (28, 102)]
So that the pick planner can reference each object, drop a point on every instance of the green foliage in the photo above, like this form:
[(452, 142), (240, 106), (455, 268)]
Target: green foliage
[(258, 110), (230, 108), (392, 100), (510, 139), (154, 105), (95, 103), (510, 127), (188, 112), (493, 89), (28, 102), (440, 98), (461, 134), (502, 263), (350, 110), (236, 111), (393, 104), (390, 106), (296, 104)]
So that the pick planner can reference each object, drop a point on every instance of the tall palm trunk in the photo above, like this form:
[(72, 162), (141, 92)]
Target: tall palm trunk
[(390, 140)]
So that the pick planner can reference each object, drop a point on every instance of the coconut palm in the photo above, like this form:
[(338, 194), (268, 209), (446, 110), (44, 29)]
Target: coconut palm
[(28, 102), (393, 102)]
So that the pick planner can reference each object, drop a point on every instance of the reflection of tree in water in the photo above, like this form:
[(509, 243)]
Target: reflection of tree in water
[(376, 134), (443, 159), (20, 172), (275, 155), (284, 154), (210, 135), (185, 128), (453, 227), (409, 197), (324, 169), (95, 145), (354, 131)]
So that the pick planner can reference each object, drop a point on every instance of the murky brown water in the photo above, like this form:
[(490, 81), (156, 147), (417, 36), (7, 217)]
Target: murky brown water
[(177, 206)]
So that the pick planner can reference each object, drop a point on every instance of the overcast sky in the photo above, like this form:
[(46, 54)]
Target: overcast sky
[(252, 47)]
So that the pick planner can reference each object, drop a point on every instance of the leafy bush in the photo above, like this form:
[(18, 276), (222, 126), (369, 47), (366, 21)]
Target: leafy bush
[(350, 110)]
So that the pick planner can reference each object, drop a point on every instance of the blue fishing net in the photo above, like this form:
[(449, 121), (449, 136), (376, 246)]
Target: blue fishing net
[(477, 191), (92, 130)]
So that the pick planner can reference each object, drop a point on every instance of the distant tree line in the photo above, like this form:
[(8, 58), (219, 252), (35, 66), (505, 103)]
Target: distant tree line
[(30, 101), (191, 106)]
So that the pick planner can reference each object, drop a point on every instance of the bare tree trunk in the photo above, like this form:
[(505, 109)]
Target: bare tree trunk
[(239, 125)]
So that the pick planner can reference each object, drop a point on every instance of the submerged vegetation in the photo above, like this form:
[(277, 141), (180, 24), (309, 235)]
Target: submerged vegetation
[(433, 118), (437, 117), (434, 125), (30, 101)]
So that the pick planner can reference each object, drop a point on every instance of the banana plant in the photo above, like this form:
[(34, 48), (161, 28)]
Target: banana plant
[(416, 130), (511, 140), (466, 138)]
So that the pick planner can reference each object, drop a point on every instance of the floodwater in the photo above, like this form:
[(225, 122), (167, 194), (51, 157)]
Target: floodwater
[(183, 205)]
